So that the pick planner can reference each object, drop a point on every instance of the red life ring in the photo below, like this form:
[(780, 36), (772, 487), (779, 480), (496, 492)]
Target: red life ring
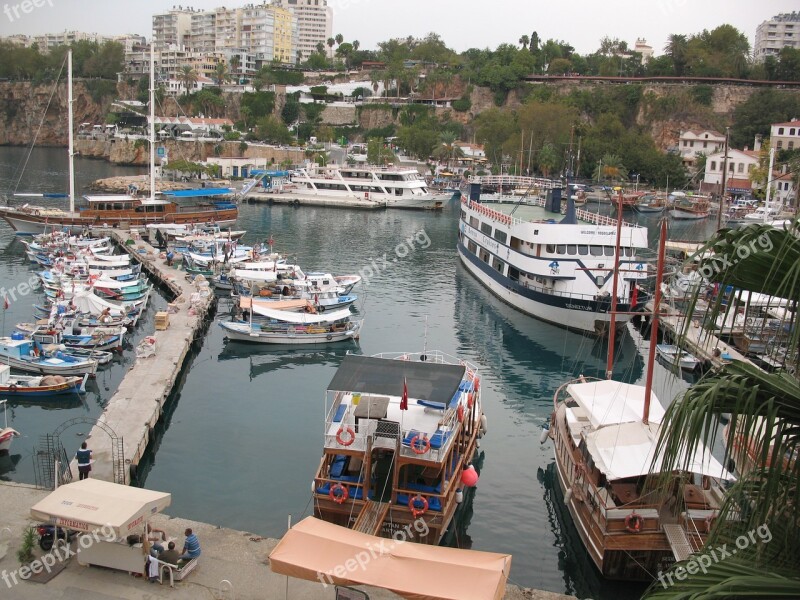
[(415, 501), (460, 413), (351, 435), (476, 383), (338, 493), (420, 445), (470, 399), (634, 522)]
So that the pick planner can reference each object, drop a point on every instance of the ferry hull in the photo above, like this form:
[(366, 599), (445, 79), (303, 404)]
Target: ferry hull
[(553, 309)]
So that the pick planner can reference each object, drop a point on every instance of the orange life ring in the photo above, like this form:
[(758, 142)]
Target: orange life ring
[(476, 383), (338, 493), (414, 501), (420, 445), (470, 399), (460, 413), (634, 522), (351, 435)]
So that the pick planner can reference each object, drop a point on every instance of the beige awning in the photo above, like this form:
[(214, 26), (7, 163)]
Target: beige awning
[(316, 550), (92, 504)]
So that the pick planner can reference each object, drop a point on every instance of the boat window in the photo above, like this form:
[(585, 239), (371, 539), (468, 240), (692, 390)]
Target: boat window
[(473, 221), (583, 250), (398, 191), (609, 250), (561, 249), (485, 257), (628, 252), (486, 228), (118, 205), (572, 249), (160, 208), (499, 265), (463, 215), (513, 274), (472, 247), (500, 236), (550, 249), (596, 250), (600, 280)]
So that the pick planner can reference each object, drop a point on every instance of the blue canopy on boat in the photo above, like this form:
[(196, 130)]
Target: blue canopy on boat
[(199, 193)]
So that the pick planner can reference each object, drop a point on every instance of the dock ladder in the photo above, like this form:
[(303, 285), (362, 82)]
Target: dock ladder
[(371, 518), (680, 544)]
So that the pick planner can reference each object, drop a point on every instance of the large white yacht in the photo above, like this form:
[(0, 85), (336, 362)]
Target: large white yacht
[(394, 187), (555, 267)]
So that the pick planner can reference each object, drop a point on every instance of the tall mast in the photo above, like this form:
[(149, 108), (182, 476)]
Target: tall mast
[(769, 183), (724, 179), (613, 322), (648, 386), (70, 134), (152, 120)]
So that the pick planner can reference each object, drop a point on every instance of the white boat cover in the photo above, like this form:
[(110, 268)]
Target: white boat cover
[(118, 261), (86, 301), (611, 402), (248, 275), (92, 504), (246, 302), (314, 548), (108, 283), (300, 318), (627, 450)]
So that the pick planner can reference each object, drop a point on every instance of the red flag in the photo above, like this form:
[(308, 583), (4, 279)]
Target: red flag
[(404, 399), (634, 296), (5, 303)]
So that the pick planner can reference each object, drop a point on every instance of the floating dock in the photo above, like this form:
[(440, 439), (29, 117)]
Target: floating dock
[(295, 200), (136, 407)]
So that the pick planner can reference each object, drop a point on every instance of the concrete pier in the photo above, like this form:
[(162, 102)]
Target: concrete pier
[(136, 407), (298, 200), (238, 557)]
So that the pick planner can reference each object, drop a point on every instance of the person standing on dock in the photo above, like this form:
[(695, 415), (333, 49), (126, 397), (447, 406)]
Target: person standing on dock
[(84, 458)]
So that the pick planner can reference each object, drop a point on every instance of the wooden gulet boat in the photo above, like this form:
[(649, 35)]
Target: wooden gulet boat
[(605, 435), (401, 432)]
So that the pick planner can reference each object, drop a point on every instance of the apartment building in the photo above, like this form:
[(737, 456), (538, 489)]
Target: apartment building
[(785, 136), (693, 143), (314, 23), (49, 41), (172, 28), (781, 31), (740, 163)]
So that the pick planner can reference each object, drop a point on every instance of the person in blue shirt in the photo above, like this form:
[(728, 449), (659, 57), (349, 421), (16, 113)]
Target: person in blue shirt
[(191, 547), (84, 458)]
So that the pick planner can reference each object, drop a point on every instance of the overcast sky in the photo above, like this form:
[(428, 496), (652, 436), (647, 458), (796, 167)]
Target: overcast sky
[(462, 24)]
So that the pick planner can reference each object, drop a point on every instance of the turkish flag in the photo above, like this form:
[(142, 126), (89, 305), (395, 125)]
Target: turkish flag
[(404, 399)]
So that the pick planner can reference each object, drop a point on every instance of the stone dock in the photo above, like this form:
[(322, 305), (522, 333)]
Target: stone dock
[(234, 564), (136, 407)]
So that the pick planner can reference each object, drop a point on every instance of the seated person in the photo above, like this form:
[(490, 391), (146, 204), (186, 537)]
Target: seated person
[(170, 555), (155, 536), (191, 547)]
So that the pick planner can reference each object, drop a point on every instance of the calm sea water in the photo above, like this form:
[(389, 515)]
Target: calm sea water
[(244, 431)]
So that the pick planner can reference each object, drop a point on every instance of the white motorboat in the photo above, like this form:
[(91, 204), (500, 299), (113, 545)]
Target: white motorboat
[(675, 356)]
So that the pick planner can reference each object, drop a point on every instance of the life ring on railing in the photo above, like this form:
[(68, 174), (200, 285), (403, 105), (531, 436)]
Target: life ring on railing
[(470, 399), (12, 389), (460, 413), (418, 505), (338, 493), (350, 433), (634, 522), (329, 337), (420, 445), (476, 383)]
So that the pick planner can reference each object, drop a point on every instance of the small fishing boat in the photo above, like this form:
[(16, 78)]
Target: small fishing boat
[(675, 356), (27, 386), (401, 433), (689, 207), (286, 327), (26, 355), (7, 434), (650, 204)]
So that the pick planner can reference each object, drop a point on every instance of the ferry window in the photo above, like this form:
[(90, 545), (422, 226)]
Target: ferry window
[(101, 206), (600, 280), (572, 249), (513, 274), (473, 221), (486, 228), (463, 216), (472, 247), (596, 250), (485, 257), (583, 250), (498, 264), (500, 236), (550, 249), (628, 252), (609, 250), (561, 249), (139, 209), (117, 205), (398, 191), (160, 208)]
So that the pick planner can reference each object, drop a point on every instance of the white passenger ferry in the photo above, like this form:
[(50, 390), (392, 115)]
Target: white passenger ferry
[(558, 268), (394, 187)]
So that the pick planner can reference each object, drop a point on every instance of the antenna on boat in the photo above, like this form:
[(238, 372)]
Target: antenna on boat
[(425, 341), (654, 321), (152, 120), (70, 135), (612, 324)]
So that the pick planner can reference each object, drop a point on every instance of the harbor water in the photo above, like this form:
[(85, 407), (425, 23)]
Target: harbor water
[(243, 434)]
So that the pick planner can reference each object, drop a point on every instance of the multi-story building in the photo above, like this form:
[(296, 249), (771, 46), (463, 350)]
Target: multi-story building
[(228, 30), (740, 164), (693, 143), (781, 31), (203, 31), (172, 28), (48, 41), (785, 136), (314, 23)]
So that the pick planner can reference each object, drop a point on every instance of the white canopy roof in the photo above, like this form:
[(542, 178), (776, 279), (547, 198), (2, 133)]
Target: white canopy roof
[(611, 402), (92, 504), (627, 450), (252, 275), (300, 318), (86, 301)]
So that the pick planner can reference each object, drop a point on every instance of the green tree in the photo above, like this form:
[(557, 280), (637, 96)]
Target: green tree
[(548, 159), (676, 48), (764, 411), (611, 169), (524, 41), (272, 130), (339, 39), (331, 44), (188, 77), (344, 51), (236, 64), (221, 74)]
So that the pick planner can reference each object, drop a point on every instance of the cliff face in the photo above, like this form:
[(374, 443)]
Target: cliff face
[(24, 107)]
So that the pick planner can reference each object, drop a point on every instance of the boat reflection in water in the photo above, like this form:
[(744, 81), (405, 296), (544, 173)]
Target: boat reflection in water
[(8, 464), (276, 357)]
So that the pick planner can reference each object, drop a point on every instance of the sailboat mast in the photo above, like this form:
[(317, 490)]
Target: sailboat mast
[(648, 386), (769, 183), (612, 324), (152, 120), (70, 134)]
